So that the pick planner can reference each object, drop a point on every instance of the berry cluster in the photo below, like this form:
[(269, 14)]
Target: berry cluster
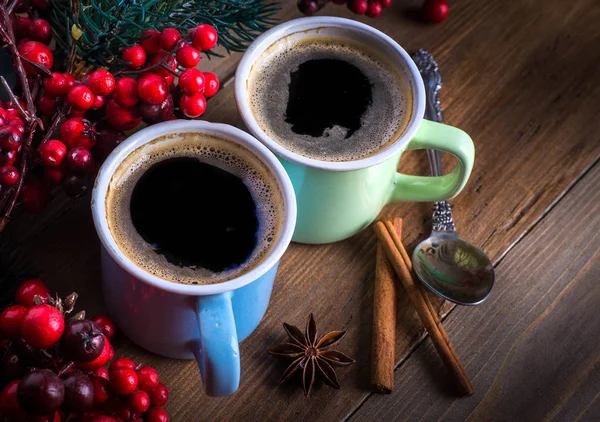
[(53, 368), (12, 129), (371, 8)]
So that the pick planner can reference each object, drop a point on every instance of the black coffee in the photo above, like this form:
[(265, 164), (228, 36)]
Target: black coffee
[(194, 209), (329, 99), (195, 214)]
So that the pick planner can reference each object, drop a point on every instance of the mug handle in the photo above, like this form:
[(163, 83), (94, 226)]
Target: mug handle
[(219, 352), (432, 135)]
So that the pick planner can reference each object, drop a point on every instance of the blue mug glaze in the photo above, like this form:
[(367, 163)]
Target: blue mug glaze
[(202, 322)]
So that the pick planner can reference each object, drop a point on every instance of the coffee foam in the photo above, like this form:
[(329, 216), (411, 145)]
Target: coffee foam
[(209, 149), (383, 122)]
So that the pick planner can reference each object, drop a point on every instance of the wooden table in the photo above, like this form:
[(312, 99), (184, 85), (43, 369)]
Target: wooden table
[(523, 79)]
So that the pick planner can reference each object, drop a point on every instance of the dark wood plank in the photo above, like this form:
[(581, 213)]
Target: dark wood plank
[(510, 82), (532, 349)]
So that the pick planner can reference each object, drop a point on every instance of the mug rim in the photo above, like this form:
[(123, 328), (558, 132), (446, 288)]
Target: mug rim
[(150, 133), (273, 35)]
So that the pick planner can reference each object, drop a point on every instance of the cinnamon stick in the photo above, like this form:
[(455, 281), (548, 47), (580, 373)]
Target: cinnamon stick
[(396, 253), (384, 321)]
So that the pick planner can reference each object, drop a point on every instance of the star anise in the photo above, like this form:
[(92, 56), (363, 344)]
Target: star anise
[(311, 355)]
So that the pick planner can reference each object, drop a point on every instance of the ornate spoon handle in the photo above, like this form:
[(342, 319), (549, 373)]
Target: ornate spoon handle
[(442, 215)]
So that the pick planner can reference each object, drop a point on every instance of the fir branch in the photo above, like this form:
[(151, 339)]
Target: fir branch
[(97, 30)]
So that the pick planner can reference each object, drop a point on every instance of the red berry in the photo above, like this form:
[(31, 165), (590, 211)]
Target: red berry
[(358, 6), (121, 363), (38, 53), (138, 402), (169, 37), (192, 105), (385, 3), (54, 175), (205, 37), (101, 390), (191, 81), (211, 84), (150, 41), (8, 157), (106, 355), (123, 381), (121, 118), (105, 324), (101, 372), (80, 97), (102, 82), (187, 56), (42, 326), (308, 7), (47, 105), (170, 62), (11, 135), (99, 101), (117, 407), (374, 9), (21, 25), (79, 159), (10, 321), (435, 10), (135, 56), (70, 80), (156, 414), (152, 88), (107, 139), (52, 152), (9, 175), (39, 30), (77, 132), (159, 395), (29, 289), (126, 92), (9, 404), (147, 378), (34, 197)]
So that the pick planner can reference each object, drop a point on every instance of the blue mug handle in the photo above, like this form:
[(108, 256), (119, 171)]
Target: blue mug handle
[(219, 351)]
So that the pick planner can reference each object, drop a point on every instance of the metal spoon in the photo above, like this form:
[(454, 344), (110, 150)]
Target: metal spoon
[(448, 265)]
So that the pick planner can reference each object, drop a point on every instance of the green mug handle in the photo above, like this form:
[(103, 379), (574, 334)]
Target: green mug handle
[(432, 135)]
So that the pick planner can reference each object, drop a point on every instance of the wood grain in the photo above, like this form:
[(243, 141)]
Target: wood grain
[(520, 77), (532, 348)]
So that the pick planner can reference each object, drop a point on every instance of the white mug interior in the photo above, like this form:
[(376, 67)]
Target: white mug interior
[(355, 31)]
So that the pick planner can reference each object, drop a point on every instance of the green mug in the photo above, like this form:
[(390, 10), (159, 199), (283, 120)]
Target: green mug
[(338, 199)]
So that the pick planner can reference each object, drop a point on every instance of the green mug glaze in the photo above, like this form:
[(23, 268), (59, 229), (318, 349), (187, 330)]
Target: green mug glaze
[(338, 199)]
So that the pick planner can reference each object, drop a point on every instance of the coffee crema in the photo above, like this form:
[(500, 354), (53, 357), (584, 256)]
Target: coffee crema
[(329, 98), (193, 208)]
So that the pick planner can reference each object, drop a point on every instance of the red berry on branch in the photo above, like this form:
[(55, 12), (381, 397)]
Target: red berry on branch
[(191, 81), (79, 159), (159, 395), (101, 372), (152, 88), (76, 131), (138, 402), (79, 392), (125, 93), (435, 10), (52, 152), (46, 105), (205, 37), (54, 175), (11, 319), (170, 62), (156, 113), (34, 197), (123, 381), (147, 378), (40, 392), (70, 81), (101, 82), (120, 117), (169, 38), (192, 105), (29, 289), (8, 157), (11, 135), (39, 30), (106, 355), (21, 25), (150, 41), (187, 56), (358, 6), (80, 97), (121, 363), (36, 52), (9, 404), (101, 390), (99, 101), (42, 326), (135, 56), (211, 84), (82, 340), (9, 175), (308, 7), (156, 414), (374, 9)]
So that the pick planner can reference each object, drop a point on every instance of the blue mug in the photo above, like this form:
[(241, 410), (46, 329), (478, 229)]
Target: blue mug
[(202, 322)]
